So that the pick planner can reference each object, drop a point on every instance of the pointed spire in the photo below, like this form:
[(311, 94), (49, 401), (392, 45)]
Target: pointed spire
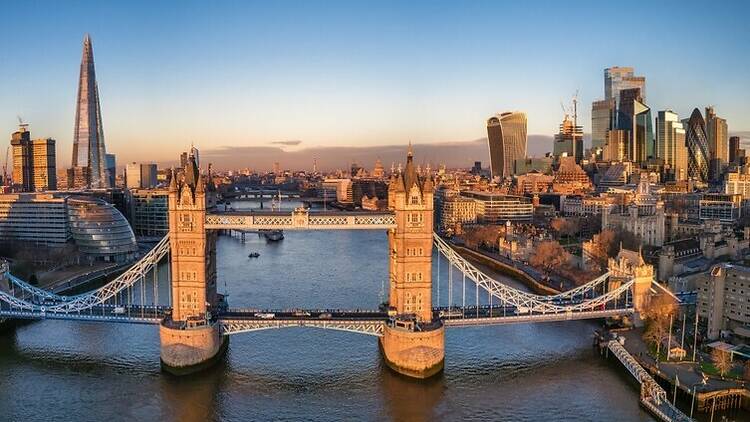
[(200, 184), (173, 182), (409, 152)]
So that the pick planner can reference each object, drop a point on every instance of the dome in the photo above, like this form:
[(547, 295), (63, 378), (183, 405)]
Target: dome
[(100, 230)]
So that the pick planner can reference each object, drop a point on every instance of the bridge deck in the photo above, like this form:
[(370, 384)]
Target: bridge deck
[(301, 220)]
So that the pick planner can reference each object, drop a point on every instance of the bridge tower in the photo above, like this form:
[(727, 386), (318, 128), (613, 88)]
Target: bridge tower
[(630, 265), (412, 344), (190, 340)]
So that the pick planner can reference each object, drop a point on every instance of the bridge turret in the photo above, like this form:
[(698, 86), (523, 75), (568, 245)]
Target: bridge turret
[(412, 344), (189, 338)]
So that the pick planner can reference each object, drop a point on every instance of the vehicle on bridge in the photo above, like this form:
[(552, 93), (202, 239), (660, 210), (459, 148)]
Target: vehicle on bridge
[(265, 315)]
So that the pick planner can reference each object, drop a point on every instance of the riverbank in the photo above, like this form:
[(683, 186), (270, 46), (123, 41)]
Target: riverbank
[(530, 282), (683, 382)]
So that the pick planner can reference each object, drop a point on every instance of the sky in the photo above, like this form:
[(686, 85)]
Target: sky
[(324, 77)]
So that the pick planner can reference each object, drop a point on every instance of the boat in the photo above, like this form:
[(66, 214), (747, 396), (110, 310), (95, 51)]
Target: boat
[(273, 235), (253, 255)]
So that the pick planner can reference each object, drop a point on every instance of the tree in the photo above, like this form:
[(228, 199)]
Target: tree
[(549, 254), (657, 329), (722, 361)]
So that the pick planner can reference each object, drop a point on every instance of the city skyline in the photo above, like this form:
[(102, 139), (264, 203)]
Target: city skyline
[(332, 86)]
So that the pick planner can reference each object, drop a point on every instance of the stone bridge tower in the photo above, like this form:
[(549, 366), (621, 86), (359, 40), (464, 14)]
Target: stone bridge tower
[(412, 344), (189, 339)]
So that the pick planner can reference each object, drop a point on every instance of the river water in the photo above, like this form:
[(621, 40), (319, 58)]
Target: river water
[(55, 370)]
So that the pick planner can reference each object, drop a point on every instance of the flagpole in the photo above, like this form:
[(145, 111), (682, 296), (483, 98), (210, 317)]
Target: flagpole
[(692, 403), (695, 332), (669, 340), (676, 383)]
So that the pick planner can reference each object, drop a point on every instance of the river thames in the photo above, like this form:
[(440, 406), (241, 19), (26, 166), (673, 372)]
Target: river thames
[(56, 370)]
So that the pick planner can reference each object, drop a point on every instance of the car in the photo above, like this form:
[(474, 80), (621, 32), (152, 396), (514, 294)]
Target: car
[(300, 313), (119, 310), (325, 315), (265, 315)]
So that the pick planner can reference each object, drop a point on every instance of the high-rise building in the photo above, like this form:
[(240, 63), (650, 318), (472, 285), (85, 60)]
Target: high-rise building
[(111, 169), (148, 176), (734, 149), (670, 144), (43, 159), (183, 160), (697, 146), (718, 145), (643, 132), (133, 176), (506, 134), (20, 142), (569, 140), (614, 150), (602, 120), (34, 162), (619, 78), (89, 167)]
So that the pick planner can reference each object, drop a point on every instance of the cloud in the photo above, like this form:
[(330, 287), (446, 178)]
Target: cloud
[(287, 143)]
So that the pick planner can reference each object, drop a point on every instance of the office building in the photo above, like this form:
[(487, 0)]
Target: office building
[(39, 219), (718, 144), (20, 143), (100, 231), (724, 299), (670, 144), (697, 146), (738, 182), (506, 134), (89, 167), (133, 175), (34, 162), (148, 176), (734, 149), (147, 211), (602, 121), (493, 208), (614, 150), (569, 140), (617, 79), (726, 208), (111, 169)]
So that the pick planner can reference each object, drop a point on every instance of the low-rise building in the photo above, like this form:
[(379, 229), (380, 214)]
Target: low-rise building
[(40, 219), (723, 207), (643, 215), (493, 208), (724, 300), (148, 211)]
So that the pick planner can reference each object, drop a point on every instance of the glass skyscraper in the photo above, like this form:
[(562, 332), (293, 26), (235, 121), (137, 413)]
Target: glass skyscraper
[(506, 134), (697, 146), (89, 164), (670, 144)]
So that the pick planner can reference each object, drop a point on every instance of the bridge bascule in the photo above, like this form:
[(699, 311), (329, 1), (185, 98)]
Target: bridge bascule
[(195, 321)]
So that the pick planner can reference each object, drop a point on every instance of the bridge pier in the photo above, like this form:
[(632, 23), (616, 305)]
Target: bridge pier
[(189, 350), (415, 354)]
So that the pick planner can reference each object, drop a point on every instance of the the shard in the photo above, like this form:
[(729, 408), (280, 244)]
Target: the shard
[(89, 164)]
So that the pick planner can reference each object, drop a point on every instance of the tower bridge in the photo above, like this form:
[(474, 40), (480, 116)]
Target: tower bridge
[(195, 321)]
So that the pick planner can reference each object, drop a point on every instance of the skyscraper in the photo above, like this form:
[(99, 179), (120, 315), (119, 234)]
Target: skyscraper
[(34, 162), (618, 78), (602, 120), (734, 149), (697, 146), (89, 166), (718, 145), (670, 144), (20, 142), (112, 169), (506, 134)]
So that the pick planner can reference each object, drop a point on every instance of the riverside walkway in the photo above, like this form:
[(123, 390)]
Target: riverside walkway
[(653, 397)]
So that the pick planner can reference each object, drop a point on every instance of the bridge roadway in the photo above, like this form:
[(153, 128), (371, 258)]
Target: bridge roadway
[(371, 322)]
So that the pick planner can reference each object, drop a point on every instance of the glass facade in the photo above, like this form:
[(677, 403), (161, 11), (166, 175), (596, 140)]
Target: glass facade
[(100, 230), (697, 146), (88, 138), (506, 134), (602, 120)]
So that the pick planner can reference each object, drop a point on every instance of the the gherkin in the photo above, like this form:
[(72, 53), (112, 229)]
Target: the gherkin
[(89, 166), (697, 146)]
